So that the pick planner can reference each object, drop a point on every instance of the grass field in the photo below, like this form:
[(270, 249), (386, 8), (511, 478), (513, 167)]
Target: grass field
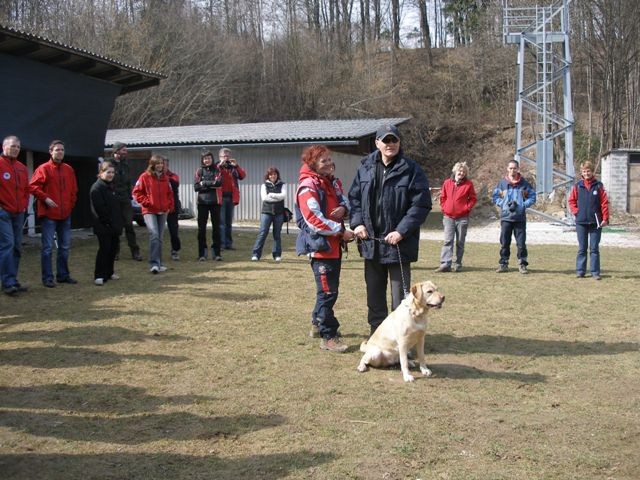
[(206, 372)]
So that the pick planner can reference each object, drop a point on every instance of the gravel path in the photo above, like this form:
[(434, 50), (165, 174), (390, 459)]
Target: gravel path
[(542, 233)]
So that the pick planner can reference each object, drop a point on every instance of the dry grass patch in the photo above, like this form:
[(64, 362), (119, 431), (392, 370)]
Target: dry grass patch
[(207, 372)]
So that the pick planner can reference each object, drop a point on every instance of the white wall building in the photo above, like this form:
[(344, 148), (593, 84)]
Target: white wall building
[(255, 146)]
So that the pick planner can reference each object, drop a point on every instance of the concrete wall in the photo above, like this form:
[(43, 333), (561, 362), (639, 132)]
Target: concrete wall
[(255, 160), (615, 177)]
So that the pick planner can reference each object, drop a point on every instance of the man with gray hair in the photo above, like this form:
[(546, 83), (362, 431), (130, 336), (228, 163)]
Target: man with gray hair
[(231, 174), (14, 199), (457, 198)]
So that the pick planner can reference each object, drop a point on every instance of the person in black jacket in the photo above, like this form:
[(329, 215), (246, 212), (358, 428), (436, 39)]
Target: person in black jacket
[(108, 223), (273, 193), (173, 217), (389, 201), (207, 183)]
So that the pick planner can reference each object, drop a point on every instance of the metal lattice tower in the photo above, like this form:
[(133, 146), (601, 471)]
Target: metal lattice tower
[(544, 115)]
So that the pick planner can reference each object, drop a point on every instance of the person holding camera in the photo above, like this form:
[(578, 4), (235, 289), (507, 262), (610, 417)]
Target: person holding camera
[(513, 196), (231, 174)]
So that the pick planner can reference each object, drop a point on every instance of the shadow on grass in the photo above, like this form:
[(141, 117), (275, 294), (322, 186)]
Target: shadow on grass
[(61, 357), (503, 345), (459, 372), (93, 398), (79, 336), (159, 466), (136, 429)]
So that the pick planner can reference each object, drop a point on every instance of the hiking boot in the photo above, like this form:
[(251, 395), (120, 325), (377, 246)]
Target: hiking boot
[(135, 254), (443, 268), (523, 269), (503, 268), (315, 331), (333, 345)]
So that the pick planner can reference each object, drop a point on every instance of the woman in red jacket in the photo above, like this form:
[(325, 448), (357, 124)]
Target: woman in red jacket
[(457, 198), (154, 194)]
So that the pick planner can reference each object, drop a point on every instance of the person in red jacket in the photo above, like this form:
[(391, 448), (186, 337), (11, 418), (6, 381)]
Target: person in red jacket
[(321, 216), (457, 199), (154, 194), (55, 189), (589, 203), (14, 199), (231, 174)]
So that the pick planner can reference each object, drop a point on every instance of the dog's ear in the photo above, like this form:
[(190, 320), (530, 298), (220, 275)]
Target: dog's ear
[(416, 291)]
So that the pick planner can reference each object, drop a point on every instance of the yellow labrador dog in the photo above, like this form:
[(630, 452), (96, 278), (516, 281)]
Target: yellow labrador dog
[(402, 330)]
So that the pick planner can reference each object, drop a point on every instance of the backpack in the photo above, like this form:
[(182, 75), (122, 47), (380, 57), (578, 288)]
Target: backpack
[(287, 215)]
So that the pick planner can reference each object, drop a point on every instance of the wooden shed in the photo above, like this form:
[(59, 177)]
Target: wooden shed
[(56, 91)]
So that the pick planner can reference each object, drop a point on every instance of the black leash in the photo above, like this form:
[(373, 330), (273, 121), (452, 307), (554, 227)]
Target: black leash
[(404, 283)]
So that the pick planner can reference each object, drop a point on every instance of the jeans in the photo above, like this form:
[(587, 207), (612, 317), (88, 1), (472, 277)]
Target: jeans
[(155, 226), (105, 258), (326, 272), (226, 219), (10, 247), (375, 276), (172, 226), (203, 215), (519, 230), (454, 229), (62, 230), (266, 219), (588, 236)]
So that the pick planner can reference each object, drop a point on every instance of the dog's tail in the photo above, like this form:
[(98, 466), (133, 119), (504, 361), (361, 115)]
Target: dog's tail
[(363, 346)]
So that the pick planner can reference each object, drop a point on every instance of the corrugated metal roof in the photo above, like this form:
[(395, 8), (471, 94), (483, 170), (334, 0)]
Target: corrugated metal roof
[(243, 133), (40, 49)]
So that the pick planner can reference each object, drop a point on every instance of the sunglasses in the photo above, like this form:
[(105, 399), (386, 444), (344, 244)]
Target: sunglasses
[(389, 139)]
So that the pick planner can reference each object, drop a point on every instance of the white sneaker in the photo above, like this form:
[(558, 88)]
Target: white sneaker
[(99, 281), (278, 259), (254, 258), (154, 269), (162, 268), (115, 276)]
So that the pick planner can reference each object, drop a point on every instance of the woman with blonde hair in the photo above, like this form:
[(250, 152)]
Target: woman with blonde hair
[(457, 199), (154, 194), (589, 203)]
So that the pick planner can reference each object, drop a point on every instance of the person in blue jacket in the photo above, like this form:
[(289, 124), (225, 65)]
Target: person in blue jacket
[(389, 200), (513, 196)]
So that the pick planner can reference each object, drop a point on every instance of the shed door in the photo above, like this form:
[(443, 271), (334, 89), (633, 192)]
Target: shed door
[(634, 188)]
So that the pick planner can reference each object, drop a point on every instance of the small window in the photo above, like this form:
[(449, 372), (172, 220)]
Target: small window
[(634, 157)]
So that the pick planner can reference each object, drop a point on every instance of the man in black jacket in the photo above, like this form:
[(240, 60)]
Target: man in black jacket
[(389, 201), (123, 186)]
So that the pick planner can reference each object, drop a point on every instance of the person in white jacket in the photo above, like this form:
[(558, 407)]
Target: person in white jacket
[(272, 193)]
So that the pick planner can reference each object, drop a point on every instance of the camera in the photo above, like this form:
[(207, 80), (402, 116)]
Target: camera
[(512, 206)]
